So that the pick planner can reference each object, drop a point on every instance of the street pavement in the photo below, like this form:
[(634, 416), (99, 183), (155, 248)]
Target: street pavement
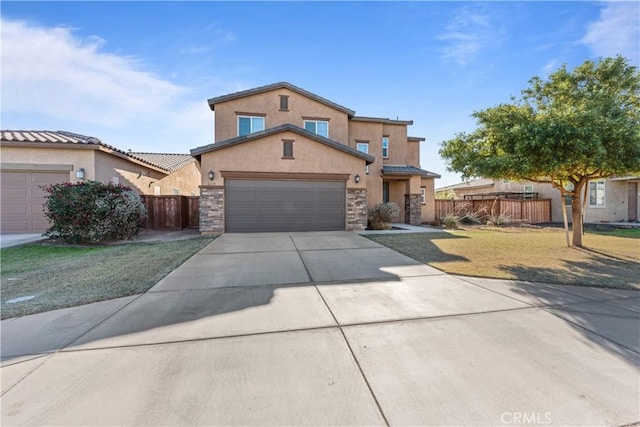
[(327, 328)]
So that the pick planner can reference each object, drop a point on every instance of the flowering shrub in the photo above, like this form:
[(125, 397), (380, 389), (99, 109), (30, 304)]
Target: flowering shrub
[(91, 211), (381, 214)]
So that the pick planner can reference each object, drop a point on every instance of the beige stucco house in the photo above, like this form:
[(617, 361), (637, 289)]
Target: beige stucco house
[(608, 200), (31, 159), (287, 159)]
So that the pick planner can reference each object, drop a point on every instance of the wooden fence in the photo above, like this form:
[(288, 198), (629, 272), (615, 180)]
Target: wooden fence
[(171, 212), (529, 211)]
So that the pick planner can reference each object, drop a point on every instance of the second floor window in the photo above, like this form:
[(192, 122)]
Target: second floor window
[(363, 147), (319, 127), (385, 147), (249, 124), (596, 194)]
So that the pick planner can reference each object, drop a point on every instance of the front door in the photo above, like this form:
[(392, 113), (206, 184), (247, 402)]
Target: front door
[(632, 197)]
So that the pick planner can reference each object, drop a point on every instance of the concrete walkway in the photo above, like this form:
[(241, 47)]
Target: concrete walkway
[(327, 329), (9, 240)]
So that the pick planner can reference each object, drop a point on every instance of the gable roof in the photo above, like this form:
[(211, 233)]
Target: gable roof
[(275, 86), (278, 129), (407, 170), (166, 163), (169, 162)]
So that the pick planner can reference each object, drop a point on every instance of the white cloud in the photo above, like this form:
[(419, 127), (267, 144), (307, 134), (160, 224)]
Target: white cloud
[(53, 79), (52, 72), (550, 66), (617, 31), (468, 33)]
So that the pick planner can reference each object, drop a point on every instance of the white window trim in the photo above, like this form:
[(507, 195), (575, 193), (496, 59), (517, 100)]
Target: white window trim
[(383, 140), (423, 195), (604, 199), (264, 124), (304, 125)]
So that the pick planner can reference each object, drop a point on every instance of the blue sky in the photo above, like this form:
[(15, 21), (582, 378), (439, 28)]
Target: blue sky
[(137, 74)]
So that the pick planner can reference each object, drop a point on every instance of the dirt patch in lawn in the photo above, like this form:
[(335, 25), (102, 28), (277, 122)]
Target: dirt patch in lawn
[(58, 275), (528, 254)]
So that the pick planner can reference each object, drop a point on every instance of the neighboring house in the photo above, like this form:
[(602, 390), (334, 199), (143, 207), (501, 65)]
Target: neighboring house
[(31, 159), (609, 200), (287, 159)]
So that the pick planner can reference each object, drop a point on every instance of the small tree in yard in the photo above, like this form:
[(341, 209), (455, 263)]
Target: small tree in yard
[(381, 214), (91, 211), (571, 128)]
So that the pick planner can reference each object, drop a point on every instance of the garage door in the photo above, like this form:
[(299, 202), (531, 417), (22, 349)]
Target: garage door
[(271, 205), (21, 208)]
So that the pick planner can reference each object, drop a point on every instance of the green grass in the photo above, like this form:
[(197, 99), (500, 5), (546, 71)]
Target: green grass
[(64, 276), (609, 259)]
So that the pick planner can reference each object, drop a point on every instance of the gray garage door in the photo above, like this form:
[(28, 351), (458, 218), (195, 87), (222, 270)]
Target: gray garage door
[(265, 205), (22, 199)]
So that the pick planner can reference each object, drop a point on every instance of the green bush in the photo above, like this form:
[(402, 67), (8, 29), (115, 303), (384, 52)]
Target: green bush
[(381, 214), (91, 211)]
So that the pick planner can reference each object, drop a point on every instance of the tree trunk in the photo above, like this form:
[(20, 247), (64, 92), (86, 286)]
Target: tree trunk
[(564, 218), (576, 214)]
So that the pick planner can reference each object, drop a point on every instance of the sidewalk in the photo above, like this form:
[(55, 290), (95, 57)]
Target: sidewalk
[(326, 329)]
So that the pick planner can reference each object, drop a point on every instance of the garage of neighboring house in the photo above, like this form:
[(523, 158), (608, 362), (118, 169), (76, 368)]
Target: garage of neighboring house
[(253, 205), (281, 179), (23, 198)]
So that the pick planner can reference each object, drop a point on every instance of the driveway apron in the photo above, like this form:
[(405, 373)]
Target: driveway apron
[(327, 328)]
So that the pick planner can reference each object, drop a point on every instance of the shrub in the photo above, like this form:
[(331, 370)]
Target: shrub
[(91, 211), (450, 220), (498, 220), (381, 214)]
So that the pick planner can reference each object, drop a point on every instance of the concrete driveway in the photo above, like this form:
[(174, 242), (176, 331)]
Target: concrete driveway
[(327, 329)]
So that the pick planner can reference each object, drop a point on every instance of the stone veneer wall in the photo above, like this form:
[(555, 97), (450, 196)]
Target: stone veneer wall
[(413, 208), (212, 209), (356, 209)]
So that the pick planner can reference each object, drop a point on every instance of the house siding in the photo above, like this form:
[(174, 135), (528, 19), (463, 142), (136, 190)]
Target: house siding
[(268, 104)]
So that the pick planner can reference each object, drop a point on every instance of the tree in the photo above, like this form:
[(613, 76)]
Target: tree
[(571, 128)]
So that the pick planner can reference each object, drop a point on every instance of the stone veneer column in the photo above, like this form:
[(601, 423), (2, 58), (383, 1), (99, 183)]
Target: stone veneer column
[(356, 209), (211, 209), (413, 208)]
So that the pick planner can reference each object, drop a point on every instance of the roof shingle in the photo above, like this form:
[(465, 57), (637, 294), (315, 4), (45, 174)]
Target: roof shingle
[(407, 170), (167, 163)]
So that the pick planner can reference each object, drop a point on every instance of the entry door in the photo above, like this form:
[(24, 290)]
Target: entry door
[(632, 190)]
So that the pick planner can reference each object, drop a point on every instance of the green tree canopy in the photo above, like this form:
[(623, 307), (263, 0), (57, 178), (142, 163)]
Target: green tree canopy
[(570, 128)]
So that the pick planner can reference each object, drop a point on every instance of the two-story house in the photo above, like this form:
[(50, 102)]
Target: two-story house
[(285, 159)]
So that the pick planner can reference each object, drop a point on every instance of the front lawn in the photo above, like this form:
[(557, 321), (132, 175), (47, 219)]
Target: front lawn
[(609, 259), (63, 276)]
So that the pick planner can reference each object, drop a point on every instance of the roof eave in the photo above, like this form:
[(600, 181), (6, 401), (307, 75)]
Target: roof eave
[(198, 151), (275, 86)]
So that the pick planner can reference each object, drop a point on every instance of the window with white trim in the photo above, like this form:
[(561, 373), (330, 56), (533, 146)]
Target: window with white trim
[(528, 191), (596, 194), (250, 124), (364, 148), (319, 127), (385, 147), (423, 195)]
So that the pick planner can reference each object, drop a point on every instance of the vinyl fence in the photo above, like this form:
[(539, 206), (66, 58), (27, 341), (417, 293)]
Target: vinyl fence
[(529, 211), (171, 212)]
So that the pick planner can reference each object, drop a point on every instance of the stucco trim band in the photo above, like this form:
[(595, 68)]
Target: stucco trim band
[(285, 175), (38, 167)]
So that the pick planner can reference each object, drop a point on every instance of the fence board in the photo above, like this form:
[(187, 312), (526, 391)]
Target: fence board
[(171, 212), (518, 210)]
